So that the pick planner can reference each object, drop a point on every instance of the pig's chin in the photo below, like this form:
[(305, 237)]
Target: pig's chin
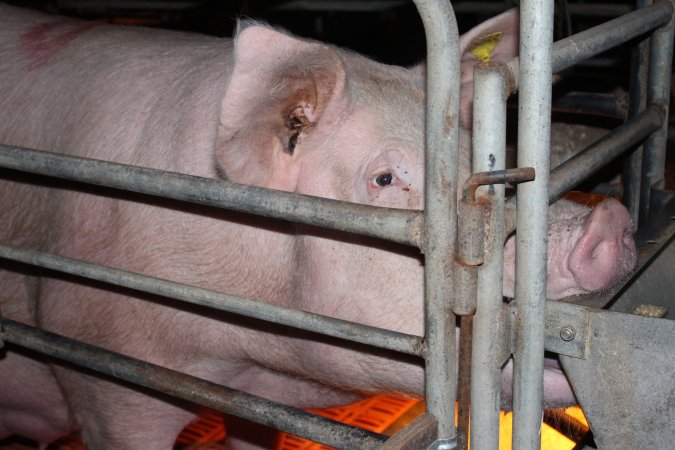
[(557, 390)]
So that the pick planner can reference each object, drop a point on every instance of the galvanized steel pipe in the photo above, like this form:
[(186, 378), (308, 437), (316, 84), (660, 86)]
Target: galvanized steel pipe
[(489, 149), (534, 134), (442, 140), (599, 154), (316, 323), (193, 389), (632, 169), (588, 43), (658, 93), (397, 225)]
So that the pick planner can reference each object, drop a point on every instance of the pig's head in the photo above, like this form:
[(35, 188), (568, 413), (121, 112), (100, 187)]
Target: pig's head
[(310, 118), (307, 117)]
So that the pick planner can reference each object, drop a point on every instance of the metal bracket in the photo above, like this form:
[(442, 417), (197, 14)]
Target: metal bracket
[(626, 384), (567, 330)]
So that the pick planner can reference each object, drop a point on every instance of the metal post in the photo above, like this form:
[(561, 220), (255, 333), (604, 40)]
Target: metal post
[(536, 36), (658, 92), (632, 169), (442, 139), (489, 145)]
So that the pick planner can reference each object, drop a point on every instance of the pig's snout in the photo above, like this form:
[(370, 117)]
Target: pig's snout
[(605, 252)]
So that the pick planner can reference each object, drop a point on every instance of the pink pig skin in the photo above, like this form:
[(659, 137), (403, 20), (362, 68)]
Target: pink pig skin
[(266, 109)]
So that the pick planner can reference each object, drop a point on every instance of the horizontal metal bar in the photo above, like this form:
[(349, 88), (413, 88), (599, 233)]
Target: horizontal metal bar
[(492, 8), (588, 43), (613, 33), (397, 225), (599, 104), (377, 337), (193, 389), (594, 157)]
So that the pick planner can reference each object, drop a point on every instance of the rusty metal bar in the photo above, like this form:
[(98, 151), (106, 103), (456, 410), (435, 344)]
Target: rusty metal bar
[(316, 323), (397, 225), (442, 144), (193, 389)]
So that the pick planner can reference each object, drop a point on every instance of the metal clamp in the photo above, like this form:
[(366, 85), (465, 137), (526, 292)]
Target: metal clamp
[(513, 176), (471, 220), (472, 213)]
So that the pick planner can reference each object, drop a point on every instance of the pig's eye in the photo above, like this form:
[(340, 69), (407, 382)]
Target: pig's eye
[(384, 179)]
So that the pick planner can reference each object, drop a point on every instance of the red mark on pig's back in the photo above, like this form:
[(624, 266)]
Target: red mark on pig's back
[(43, 41)]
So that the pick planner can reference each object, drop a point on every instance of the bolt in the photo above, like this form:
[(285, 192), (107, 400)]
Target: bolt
[(567, 333)]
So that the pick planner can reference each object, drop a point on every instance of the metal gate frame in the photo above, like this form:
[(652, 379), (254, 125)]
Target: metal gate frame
[(531, 321)]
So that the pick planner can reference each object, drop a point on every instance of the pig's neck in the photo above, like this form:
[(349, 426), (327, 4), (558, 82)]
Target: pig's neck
[(240, 255)]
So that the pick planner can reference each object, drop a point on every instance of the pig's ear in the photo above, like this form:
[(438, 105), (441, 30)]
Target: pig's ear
[(278, 93), (497, 39)]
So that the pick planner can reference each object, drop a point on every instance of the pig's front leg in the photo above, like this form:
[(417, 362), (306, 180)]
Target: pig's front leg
[(112, 417)]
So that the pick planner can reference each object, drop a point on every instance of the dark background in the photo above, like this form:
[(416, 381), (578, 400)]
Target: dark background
[(387, 30)]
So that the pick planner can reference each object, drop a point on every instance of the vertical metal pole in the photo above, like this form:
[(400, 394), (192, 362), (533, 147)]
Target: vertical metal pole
[(534, 130), (632, 170), (658, 92), (489, 148), (442, 139)]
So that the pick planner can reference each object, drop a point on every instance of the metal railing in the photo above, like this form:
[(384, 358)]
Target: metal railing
[(433, 231)]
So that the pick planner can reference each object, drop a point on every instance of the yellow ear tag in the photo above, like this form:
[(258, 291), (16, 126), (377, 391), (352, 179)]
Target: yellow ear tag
[(483, 46)]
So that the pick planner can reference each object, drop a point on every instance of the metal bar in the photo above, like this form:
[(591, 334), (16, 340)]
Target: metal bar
[(585, 9), (598, 104), (464, 380), (193, 389), (316, 323), (592, 158), (489, 144), (632, 168), (599, 154), (658, 92), (415, 436), (442, 140), (588, 43), (534, 133), (397, 225)]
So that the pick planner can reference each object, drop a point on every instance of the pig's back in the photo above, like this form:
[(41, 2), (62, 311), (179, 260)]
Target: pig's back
[(130, 95), (104, 91)]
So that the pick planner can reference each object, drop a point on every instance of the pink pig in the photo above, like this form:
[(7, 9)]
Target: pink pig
[(265, 109)]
